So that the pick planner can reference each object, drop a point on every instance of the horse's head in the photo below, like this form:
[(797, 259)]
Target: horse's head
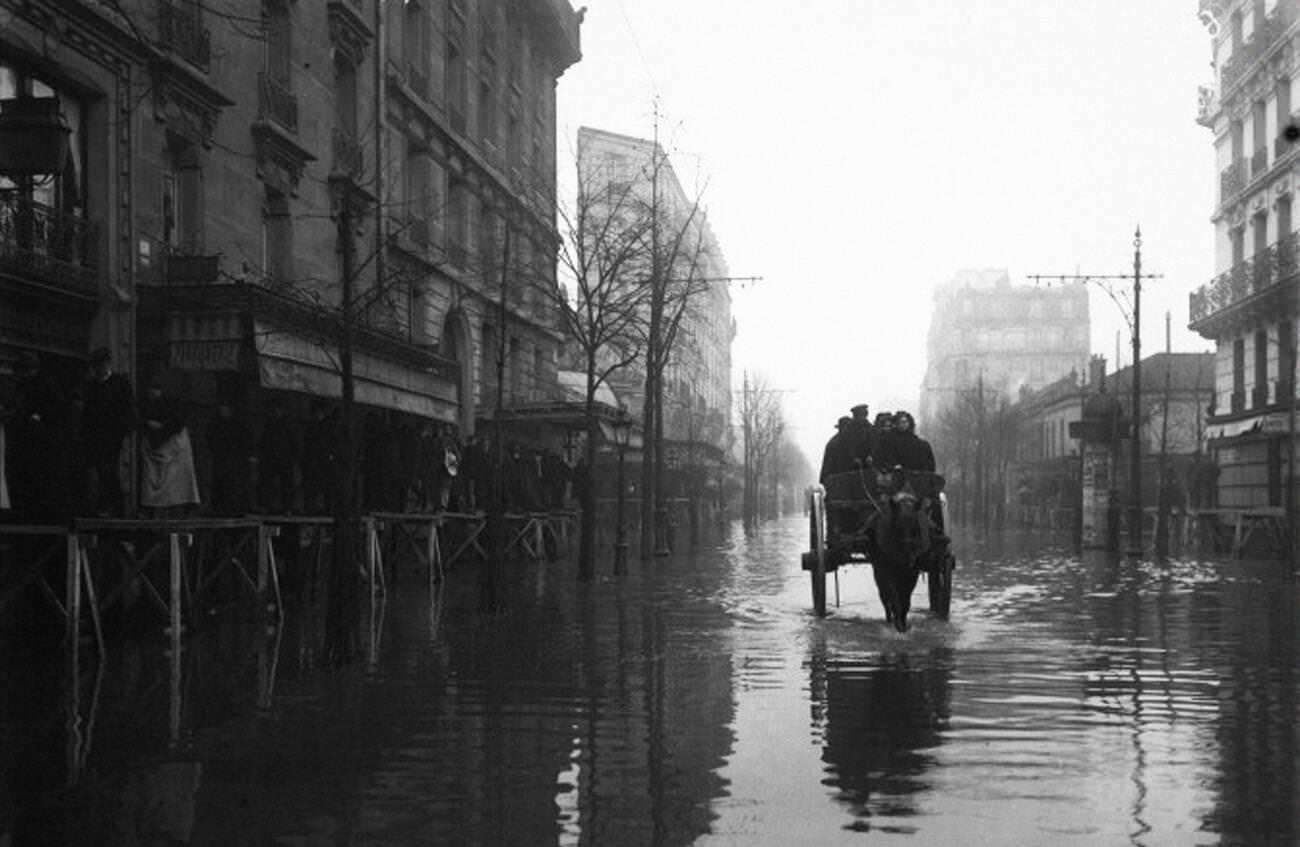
[(906, 524)]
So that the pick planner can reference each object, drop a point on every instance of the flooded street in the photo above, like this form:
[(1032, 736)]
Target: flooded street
[(695, 701)]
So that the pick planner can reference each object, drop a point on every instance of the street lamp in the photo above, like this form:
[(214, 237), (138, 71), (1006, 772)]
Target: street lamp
[(622, 433)]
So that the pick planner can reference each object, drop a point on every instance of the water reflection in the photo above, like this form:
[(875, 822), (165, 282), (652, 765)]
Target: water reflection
[(880, 717), (1104, 699)]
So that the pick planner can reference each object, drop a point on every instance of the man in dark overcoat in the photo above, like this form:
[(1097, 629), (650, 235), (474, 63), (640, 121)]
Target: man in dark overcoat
[(839, 454), (109, 417), (38, 445)]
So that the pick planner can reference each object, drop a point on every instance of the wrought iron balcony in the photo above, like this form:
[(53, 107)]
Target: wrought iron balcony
[(181, 29), (276, 102), (1268, 268), (1232, 180), (38, 240)]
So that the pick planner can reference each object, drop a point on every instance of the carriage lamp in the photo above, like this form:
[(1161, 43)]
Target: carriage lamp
[(622, 435), (33, 136)]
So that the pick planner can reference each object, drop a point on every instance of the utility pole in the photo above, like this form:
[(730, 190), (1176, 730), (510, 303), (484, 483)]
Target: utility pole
[(1133, 317)]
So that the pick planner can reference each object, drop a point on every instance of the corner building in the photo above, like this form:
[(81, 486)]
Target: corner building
[(1249, 308), (233, 169)]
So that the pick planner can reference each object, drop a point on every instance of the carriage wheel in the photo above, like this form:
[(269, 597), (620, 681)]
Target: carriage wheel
[(940, 580), (817, 541)]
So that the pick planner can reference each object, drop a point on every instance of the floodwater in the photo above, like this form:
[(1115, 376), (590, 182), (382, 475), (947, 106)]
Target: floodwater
[(695, 700)]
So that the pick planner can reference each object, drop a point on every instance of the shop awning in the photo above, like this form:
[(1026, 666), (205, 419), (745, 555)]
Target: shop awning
[(287, 361)]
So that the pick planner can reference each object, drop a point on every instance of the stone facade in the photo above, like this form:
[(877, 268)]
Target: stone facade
[(1007, 338), (1249, 309)]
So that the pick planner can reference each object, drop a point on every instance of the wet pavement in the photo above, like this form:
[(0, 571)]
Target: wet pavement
[(696, 700)]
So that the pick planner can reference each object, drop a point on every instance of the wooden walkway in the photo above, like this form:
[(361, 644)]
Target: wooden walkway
[(177, 564)]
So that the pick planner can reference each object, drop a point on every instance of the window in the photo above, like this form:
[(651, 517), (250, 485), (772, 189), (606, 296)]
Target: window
[(456, 92), (182, 205), (279, 43), (1283, 218), (1238, 374), (1285, 361), (415, 46), (1237, 237), (487, 115), (1259, 233), (1261, 369), (277, 238), (489, 254), (64, 191), (457, 219), (1237, 139), (345, 96), (1283, 99)]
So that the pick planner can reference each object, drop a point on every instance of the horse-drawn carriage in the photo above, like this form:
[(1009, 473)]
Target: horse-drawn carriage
[(894, 520)]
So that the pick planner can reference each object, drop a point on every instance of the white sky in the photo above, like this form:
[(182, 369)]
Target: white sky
[(857, 152)]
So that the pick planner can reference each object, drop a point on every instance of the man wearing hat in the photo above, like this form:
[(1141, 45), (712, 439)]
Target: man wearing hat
[(862, 435), (838, 455), (108, 419)]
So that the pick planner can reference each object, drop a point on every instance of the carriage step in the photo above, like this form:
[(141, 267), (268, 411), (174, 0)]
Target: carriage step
[(809, 562)]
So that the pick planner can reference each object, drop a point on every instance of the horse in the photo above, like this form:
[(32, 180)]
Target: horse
[(898, 539)]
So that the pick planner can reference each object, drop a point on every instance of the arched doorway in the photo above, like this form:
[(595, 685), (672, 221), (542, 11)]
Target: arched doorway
[(457, 347)]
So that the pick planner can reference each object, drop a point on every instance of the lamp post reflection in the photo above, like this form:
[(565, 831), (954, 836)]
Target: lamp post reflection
[(622, 432)]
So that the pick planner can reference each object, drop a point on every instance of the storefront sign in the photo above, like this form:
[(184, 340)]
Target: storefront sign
[(204, 355)]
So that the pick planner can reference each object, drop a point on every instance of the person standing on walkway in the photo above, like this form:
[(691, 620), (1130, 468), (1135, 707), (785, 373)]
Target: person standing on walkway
[(38, 446), (169, 483), (108, 418), (230, 447), (277, 462), (320, 448)]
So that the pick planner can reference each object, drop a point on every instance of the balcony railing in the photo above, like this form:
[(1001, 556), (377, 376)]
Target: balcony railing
[(1242, 58), (276, 102), (39, 240), (1276, 264), (182, 30), (1259, 397), (1237, 402), (1259, 162), (348, 158), (1232, 180)]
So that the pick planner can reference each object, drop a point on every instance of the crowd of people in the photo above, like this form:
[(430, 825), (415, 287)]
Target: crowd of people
[(66, 453), (888, 442)]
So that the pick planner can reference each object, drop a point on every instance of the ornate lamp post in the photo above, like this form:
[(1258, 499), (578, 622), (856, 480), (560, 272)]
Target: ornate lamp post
[(622, 433)]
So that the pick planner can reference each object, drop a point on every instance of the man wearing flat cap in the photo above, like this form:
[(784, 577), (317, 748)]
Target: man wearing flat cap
[(862, 435)]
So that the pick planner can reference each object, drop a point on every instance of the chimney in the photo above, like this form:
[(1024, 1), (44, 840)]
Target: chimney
[(1096, 372)]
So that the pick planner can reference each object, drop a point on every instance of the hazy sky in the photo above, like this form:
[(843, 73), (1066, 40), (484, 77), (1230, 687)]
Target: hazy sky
[(854, 153)]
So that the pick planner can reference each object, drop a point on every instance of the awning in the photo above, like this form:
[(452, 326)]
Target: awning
[(1260, 423), (288, 362)]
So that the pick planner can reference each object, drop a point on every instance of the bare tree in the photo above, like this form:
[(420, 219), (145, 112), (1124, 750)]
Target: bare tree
[(602, 254), (763, 423)]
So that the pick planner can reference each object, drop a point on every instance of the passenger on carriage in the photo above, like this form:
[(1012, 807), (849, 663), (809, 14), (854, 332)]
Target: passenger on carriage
[(900, 446), (862, 434), (839, 455)]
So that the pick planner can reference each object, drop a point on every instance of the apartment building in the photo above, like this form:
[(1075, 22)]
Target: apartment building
[(1002, 337), (697, 377), (242, 187), (1249, 308)]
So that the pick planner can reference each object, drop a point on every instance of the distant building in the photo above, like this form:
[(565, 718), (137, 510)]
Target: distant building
[(697, 379), (1250, 308), (999, 338), (1043, 473)]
